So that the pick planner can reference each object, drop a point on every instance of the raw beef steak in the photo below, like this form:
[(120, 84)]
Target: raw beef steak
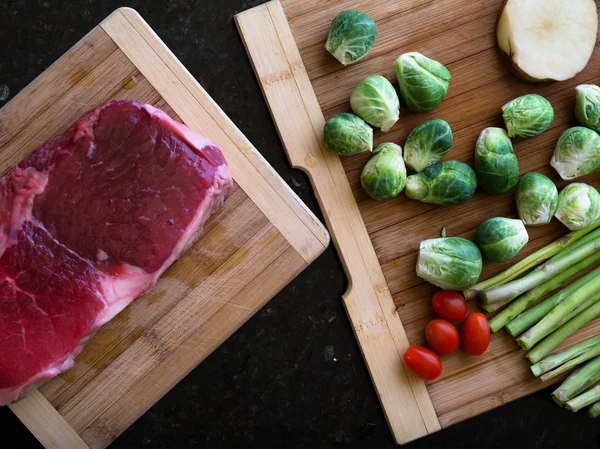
[(88, 223)]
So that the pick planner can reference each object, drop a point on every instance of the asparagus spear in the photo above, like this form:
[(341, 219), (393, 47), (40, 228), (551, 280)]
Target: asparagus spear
[(524, 301), (569, 306), (583, 400), (595, 410), (590, 354), (556, 360), (531, 261), (542, 273), (532, 316), (579, 381), (563, 332)]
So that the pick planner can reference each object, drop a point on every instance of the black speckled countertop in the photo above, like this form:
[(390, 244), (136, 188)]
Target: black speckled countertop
[(293, 376)]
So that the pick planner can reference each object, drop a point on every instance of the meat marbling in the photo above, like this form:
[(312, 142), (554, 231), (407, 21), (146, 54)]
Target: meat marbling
[(88, 223)]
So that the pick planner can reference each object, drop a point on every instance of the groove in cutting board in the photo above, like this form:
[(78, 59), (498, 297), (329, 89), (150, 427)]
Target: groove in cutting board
[(461, 35), (260, 239)]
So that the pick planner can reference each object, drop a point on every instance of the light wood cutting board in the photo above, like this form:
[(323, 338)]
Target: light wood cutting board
[(388, 305), (260, 239)]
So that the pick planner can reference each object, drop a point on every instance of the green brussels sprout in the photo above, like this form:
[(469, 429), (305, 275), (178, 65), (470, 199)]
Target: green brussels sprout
[(527, 116), (578, 206), (423, 81), (384, 176), (587, 106), (375, 101), (500, 239), (444, 183), (451, 263), (427, 144), (347, 134), (577, 153), (496, 165), (351, 36), (537, 198)]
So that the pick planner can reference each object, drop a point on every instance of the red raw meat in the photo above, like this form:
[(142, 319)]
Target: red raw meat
[(88, 223)]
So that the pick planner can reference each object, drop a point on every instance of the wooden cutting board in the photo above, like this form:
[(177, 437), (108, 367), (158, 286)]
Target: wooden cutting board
[(378, 242), (260, 239)]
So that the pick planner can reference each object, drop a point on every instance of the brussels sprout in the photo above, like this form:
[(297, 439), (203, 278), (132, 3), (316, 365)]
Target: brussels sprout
[(427, 143), (500, 239), (423, 81), (384, 176), (347, 134), (537, 198), (351, 36), (578, 206), (451, 263), (496, 165), (587, 106), (444, 183), (577, 153), (527, 116), (375, 101)]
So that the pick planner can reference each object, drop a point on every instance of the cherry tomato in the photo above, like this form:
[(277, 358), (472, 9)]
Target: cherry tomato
[(423, 362), (442, 337), (449, 305), (475, 333)]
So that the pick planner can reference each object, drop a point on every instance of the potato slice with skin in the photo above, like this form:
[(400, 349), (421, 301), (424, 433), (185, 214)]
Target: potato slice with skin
[(547, 40)]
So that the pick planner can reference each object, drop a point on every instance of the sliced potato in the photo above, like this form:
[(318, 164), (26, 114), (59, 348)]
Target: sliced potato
[(547, 40)]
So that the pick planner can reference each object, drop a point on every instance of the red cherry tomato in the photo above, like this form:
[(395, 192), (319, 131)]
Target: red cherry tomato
[(442, 337), (449, 305), (475, 333), (423, 362)]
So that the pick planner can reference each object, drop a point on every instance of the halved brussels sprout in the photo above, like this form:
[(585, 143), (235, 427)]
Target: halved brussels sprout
[(578, 206), (384, 176), (423, 81), (451, 263), (427, 144), (500, 238), (347, 134), (537, 198), (375, 101), (577, 153), (351, 36), (587, 106), (444, 183), (527, 116), (496, 165)]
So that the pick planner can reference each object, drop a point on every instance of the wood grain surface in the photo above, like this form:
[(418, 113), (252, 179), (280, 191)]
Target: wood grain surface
[(259, 240), (459, 34)]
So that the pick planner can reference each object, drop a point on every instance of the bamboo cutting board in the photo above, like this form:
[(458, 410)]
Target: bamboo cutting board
[(260, 239), (388, 305)]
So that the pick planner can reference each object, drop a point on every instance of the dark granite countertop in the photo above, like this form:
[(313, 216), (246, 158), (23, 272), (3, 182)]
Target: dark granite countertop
[(293, 376)]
